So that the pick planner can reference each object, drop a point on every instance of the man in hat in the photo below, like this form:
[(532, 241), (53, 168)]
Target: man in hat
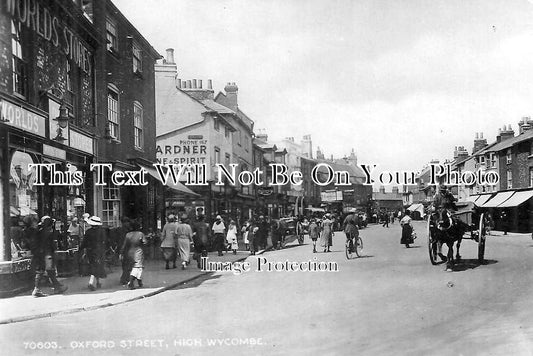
[(219, 229), (42, 249), (94, 244)]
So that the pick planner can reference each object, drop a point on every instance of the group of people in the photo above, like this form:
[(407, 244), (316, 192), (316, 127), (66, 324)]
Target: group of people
[(322, 229)]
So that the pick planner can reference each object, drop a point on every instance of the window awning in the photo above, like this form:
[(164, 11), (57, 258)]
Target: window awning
[(472, 198), (497, 200), (179, 187), (517, 199), (482, 199)]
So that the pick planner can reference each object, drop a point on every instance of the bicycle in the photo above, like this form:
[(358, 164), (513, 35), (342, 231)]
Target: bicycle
[(351, 249)]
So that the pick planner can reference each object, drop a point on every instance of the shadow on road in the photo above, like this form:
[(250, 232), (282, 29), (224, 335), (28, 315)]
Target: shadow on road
[(464, 265)]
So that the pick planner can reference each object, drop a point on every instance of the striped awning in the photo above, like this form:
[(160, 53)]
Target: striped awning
[(517, 199), (498, 199)]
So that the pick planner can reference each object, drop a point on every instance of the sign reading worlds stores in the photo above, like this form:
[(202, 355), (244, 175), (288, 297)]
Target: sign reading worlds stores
[(182, 149)]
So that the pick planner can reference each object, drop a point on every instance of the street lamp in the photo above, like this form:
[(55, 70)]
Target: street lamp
[(62, 122)]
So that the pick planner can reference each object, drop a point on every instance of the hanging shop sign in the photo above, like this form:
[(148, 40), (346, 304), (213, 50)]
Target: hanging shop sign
[(81, 142), (265, 191)]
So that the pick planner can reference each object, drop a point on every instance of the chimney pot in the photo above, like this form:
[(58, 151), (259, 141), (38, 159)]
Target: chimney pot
[(200, 83), (170, 56), (194, 83), (189, 84)]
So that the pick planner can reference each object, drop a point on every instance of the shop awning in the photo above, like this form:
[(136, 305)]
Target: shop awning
[(316, 210), (497, 200), (482, 199), (179, 187), (517, 199), (472, 198)]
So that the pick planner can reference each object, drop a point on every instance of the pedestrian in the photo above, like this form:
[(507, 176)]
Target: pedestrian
[(231, 236), (326, 237), (94, 244), (407, 229), (168, 241), (505, 223), (219, 229), (392, 217), (262, 233), (386, 219), (184, 239), (245, 232), (42, 248), (201, 239), (118, 235), (313, 233), (133, 249), (276, 235), (73, 233)]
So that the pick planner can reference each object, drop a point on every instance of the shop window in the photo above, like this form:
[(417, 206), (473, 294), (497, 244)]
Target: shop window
[(20, 80), (22, 199), (112, 112), (137, 58), (138, 124), (111, 204), (111, 35)]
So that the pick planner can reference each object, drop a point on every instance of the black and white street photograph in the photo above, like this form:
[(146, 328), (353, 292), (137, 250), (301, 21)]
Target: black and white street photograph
[(266, 177)]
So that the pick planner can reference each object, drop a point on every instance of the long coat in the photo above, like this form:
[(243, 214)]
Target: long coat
[(133, 245), (327, 233), (94, 242)]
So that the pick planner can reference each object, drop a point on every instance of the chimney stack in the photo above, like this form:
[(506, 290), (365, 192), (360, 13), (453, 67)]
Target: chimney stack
[(170, 56), (231, 90), (524, 125), (479, 142)]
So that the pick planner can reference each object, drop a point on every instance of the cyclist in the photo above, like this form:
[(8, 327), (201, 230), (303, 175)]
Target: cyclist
[(351, 230)]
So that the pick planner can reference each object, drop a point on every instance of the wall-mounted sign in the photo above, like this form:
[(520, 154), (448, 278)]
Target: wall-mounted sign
[(21, 118), (54, 152), (265, 191), (181, 150), (81, 142)]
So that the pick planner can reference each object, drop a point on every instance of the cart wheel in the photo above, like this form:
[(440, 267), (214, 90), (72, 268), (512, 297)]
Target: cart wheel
[(432, 245), (482, 236)]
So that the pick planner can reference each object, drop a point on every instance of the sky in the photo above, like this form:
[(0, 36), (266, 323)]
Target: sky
[(401, 82)]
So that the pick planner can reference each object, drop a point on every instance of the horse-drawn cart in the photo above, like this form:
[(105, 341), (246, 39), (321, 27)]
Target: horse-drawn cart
[(446, 227)]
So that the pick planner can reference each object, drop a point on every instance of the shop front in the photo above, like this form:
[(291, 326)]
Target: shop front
[(35, 182)]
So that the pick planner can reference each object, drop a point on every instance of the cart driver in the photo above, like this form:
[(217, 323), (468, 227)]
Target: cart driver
[(444, 199)]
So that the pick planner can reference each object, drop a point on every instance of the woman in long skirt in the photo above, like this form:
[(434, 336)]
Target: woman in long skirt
[(133, 244), (232, 236), (184, 239), (326, 236), (94, 244), (407, 229)]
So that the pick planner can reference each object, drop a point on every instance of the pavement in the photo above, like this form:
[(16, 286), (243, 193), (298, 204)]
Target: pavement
[(77, 298)]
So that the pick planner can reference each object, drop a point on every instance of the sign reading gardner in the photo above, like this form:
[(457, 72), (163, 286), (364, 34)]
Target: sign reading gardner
[(182, 150)]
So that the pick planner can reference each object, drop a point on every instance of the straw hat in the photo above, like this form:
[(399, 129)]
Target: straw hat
[(94, 221)]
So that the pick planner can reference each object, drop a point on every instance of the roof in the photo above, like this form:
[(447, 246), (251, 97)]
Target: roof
[(511, 141), (264, 145), (214, 106)]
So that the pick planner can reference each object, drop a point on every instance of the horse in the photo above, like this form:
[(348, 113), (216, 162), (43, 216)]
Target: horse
[(447, 230)]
